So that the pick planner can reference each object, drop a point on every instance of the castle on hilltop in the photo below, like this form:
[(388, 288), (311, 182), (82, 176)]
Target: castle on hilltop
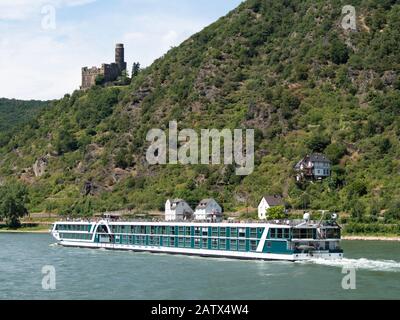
[(109, 72)]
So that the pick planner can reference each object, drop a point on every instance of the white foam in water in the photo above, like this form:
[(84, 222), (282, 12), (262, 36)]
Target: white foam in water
[(364, 264)]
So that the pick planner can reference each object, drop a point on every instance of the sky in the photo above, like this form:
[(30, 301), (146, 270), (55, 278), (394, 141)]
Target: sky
[(45, 43)]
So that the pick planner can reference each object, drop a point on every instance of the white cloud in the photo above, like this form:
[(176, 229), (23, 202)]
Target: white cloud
[(170, 37)]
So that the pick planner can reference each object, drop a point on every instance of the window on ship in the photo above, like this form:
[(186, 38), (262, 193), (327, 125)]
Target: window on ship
[(222, 232), (253, 245), (234, 232), (286, 233), (305, 233), (233, 245), (332, 233), (197, 242), (214, 243), (222, 244)]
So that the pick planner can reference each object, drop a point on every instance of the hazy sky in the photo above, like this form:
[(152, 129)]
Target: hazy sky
[(44, 43)]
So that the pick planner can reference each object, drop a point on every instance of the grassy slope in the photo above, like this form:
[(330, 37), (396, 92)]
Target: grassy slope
[(284, 68)]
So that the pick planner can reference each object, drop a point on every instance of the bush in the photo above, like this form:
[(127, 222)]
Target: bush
[(13, 199), (357, 211), (393, 213), (339, 52), (65, 142), (99, 80), (335, 152), (276, 213), (318, 142)]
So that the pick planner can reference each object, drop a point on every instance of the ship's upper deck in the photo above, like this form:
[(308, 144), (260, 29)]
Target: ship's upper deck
[(281, 223)]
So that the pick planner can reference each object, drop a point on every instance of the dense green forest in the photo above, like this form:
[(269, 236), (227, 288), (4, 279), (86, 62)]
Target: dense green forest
[(282, 67), (16, 112)]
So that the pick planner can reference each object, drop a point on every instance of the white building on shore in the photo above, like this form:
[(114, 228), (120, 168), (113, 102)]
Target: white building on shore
[(268, 202), (208, 210), (177, 210)]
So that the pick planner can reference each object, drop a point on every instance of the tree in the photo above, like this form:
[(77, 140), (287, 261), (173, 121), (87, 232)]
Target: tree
[(13, 198), (123, 80), (123, 159), (339, 52), (276, 213), (357, 189), (357, 210), (335, 152), (135, 69), (99, 80), (393, 213), (318, 142), (65, 142)]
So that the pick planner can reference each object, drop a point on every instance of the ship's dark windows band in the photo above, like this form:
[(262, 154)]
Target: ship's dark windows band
[(278, 233)]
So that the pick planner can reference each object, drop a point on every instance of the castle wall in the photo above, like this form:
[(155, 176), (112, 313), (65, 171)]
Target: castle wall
[(89, 76)]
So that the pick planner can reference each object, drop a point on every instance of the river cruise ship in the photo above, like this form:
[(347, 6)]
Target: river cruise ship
[(277, 240)]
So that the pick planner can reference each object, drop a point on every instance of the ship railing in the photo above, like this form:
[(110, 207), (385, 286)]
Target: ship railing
[(293, 223)]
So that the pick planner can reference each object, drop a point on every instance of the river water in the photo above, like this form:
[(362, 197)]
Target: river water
[(98, 274)]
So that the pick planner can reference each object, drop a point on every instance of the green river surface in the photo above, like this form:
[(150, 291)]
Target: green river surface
[(100, 274)]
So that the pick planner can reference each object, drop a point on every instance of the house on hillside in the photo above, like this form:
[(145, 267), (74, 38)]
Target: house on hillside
[(313, 167), (177, 210), (208, 210), (268, 202)]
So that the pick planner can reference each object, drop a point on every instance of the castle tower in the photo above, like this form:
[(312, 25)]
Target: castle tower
[(120, 57)]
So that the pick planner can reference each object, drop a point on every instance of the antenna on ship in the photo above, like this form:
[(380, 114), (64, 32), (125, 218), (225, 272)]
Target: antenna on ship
[(322, 216)]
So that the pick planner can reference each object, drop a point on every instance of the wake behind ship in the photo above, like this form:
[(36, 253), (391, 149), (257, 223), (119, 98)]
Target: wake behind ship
[(276, 240)]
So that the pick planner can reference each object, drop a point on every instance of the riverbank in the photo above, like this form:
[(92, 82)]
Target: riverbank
[(371, 238), (24, 231), (41, 228)]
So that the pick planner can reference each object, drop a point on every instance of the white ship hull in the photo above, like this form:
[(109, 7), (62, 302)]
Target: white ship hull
[(207, 253)]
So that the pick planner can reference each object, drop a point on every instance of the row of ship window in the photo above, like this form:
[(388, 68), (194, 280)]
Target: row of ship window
[(77, 236), (277, 233), (187, 231), (73, 227), (198, 243)]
